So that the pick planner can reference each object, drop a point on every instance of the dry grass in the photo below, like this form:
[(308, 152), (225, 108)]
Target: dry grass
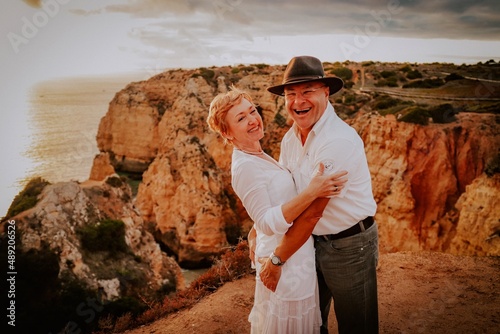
[(232, 265)]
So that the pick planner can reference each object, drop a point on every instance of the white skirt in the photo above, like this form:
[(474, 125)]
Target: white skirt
[(272, 315)]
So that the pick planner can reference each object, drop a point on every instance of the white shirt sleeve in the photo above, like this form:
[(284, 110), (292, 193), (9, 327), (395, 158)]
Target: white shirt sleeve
[(250, 184), (344, 154)]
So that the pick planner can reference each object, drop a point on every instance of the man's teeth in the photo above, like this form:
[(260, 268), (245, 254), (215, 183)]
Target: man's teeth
[(304, 111)]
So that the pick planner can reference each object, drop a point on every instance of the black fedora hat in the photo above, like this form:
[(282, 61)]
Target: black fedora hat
[(305, 69)]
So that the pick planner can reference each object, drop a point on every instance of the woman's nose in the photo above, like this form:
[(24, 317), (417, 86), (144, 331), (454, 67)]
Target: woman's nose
[(252, 119)]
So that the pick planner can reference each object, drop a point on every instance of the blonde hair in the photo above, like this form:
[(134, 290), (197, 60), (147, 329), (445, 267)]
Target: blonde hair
[(220, 106)]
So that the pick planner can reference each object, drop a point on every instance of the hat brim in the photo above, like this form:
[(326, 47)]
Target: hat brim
[(335, 84)]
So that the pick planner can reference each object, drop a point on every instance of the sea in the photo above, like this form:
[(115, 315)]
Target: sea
[(56, 127), (55, 134)]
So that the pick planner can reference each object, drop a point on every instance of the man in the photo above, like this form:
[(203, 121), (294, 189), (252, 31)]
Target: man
[(346, 237)]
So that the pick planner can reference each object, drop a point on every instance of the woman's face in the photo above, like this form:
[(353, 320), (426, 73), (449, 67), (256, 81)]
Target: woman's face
[(244, 124)]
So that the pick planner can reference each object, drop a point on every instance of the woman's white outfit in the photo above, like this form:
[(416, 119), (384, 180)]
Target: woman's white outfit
[(263, 186)]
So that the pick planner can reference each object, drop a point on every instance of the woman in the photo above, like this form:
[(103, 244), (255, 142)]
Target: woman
[(268, 193)]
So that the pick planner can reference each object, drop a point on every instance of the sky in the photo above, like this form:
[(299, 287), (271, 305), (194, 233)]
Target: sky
[(46, 39), (52, 38)]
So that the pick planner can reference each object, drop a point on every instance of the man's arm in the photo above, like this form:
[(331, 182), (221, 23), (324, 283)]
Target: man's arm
[(294, 238)]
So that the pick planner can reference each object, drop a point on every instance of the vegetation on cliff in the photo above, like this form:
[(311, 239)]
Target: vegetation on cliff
[(232, 265), (27, 198)]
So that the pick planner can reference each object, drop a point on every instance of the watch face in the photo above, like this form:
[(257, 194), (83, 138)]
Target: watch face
[(275, 260)]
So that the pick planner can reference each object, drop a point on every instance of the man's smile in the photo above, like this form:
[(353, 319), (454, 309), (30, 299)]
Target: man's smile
[(302, 111)]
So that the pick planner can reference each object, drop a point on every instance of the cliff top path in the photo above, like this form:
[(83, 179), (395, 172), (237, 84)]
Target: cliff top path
[(418, 293)]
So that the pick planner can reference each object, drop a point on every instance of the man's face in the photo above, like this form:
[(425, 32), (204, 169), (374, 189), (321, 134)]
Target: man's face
[(306, 103)]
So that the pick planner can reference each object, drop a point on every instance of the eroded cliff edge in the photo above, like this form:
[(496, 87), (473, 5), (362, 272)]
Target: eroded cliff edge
[(428, 180)]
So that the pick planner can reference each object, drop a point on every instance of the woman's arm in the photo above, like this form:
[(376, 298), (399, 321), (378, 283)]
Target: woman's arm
[(293, 239), (320, 186)]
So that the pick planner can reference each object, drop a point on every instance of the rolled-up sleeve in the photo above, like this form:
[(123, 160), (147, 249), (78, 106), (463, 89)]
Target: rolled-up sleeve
[(250, 184)]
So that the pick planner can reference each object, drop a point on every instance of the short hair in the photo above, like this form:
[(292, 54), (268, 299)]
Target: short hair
[(220, 106)]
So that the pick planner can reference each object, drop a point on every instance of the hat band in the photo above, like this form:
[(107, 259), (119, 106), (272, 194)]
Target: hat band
[(301, 79)]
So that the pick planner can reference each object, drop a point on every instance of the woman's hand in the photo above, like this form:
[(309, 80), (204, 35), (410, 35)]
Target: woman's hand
[(327, 185), (252, 243)]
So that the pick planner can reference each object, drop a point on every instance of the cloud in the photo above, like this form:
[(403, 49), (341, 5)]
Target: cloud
[(454, 19), (200, 28), (33, 3)]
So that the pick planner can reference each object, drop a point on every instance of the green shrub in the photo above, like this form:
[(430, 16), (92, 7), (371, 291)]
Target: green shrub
[(342, 72), (443, 113), (348, 84), (416, 115), (406, 68), (235, 70), (426, 83), (387, 74), (349, 99), (28, 197), (207, 74), (114, 181), (248, 68), (108, 235), (413, 74), (389, 82), (452, 77), (384, 102), (493, 166)]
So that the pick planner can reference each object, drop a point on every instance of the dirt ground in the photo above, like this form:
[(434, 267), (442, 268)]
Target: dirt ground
[(418, 293)]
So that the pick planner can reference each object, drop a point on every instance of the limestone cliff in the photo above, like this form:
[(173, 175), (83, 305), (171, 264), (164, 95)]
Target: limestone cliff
[(66, 209), (419, 172)]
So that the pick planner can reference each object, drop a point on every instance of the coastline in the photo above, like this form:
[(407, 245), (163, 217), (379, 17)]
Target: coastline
[(56, 123)]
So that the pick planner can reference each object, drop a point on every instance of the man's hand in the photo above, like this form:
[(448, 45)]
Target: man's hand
[(269, 274)]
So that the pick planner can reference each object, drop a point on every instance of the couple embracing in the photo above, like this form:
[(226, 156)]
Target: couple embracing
[(314, 238)]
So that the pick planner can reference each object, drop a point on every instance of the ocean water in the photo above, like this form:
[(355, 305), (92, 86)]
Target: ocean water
[(55, 131), (55, 134)]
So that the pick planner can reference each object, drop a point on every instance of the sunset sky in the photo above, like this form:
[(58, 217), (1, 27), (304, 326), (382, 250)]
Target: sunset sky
[(76, 37), (69, 38)]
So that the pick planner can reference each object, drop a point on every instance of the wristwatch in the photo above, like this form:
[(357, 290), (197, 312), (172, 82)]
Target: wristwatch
[(275, 259)]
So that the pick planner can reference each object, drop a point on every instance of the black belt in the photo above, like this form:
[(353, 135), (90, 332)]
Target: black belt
[(353, 230)]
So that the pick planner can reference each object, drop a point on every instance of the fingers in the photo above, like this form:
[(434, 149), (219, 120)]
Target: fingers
[(321, 169), (340, 176)]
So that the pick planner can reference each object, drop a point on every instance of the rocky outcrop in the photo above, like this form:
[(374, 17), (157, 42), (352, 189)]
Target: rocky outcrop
[(66, 209), (478, 224), (419, 172), (101, 167)]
